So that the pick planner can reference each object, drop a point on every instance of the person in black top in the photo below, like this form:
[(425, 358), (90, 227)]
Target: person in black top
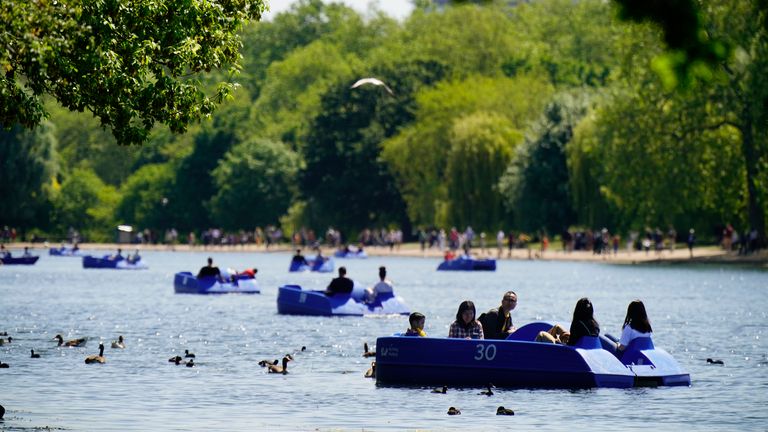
[(209, 271), (299, 258), (584, 323), (497, 323), (341, 284)]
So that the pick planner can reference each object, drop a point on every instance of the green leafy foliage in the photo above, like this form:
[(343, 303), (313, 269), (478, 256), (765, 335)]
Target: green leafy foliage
[(536, 183), (86, 204), (128, 62), (27, 168), (145, 198), (255, 184)]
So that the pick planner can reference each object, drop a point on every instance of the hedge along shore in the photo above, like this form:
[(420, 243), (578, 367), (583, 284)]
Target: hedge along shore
[(704, 254)]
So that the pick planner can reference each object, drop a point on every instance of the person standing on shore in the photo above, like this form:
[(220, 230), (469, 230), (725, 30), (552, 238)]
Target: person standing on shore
[(691, 240)]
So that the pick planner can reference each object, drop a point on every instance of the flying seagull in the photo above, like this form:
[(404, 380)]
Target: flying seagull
[(374, 81)]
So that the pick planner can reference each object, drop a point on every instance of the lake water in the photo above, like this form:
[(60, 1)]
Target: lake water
[(696, 312)]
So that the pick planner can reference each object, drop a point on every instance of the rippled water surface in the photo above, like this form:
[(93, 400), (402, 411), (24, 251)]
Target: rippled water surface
[(697, 312)]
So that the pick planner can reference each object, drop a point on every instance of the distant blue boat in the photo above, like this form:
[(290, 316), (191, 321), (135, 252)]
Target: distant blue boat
[(350, 254), (65, 251), (521, 362), (9, 260), (468, 264), (106, 262), (187, 283), (292, 300), (324, 265)]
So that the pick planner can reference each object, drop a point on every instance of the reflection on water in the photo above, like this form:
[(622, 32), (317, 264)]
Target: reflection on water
[(697, 313)]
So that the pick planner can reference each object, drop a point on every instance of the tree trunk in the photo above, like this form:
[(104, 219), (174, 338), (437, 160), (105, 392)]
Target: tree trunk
[(751, 159)]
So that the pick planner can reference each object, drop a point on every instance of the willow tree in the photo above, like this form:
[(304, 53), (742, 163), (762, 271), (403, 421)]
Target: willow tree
[(481, 146)]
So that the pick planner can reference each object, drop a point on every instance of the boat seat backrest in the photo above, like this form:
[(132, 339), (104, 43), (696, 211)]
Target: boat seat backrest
[(589, 342)]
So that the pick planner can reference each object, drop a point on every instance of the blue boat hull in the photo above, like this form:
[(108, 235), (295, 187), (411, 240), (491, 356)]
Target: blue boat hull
[(342, 254), (187, 283), (19, 260), (402, 360), (107, 263), (463, 264), (324, 266), (292, 300)]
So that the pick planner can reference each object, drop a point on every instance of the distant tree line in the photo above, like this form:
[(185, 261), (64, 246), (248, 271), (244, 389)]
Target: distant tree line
[(535, 116)]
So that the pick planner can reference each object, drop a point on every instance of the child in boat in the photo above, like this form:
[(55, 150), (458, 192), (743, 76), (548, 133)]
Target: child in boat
[(416, 321)]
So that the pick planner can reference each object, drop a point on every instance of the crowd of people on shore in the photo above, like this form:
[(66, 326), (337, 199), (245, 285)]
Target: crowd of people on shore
[(600, 241)]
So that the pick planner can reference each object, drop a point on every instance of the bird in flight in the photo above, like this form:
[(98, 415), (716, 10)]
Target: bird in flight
[(374, 81)]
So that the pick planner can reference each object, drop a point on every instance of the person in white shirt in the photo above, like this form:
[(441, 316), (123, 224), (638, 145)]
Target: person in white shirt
[(384, 286), (636, 324)]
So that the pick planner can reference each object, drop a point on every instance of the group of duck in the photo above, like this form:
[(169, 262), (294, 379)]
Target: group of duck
[(72, 343)]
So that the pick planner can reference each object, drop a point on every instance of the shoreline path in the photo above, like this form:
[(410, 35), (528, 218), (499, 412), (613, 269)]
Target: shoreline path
[(704, 254)]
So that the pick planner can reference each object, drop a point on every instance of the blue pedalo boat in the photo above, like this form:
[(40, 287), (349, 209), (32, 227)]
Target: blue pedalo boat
[(292, 300), (521, 362), (324, 265), (350, 254), (468, 264), (65, 251), (29, 260), (106, 262), (187, 283)]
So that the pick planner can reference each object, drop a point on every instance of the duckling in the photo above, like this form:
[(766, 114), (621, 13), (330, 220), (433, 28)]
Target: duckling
[(191, 363), (371, 373), (71, 343), (188, 354), (4, 365), (715, 362), (442, 390), (488, 392), (4, 341), (174, 359), (97, 358), (280, 369), (34, 355), (119, 343), (264, 363), (454, 411), (367, 353), (504, 411)]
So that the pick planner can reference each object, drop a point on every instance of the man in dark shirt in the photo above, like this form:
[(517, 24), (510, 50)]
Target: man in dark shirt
[(341, 284), (497, 323), (299, 258), (209, 271)]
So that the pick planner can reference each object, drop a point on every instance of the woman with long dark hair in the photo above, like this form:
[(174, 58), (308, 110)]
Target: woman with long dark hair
[(636, 324), (466, 326), (584, 323)]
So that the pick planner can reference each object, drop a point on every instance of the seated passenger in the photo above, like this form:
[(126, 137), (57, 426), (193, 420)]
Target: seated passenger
[(341, 284), (249, 273), (209, 271), (26, 252), (636, 325), (416, 320), (449, 255), (76, 247), (299, 258), (133, 259), (4, 253), (466, 326), (583, 324), (118, 256), (384, 286), (497, 323)]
